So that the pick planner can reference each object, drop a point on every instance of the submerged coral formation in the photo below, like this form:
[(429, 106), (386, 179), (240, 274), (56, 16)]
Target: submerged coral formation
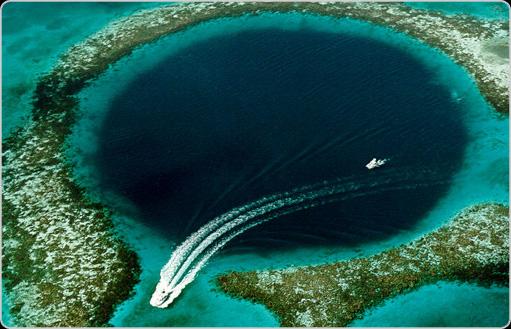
[(473, 247), (63, 264)]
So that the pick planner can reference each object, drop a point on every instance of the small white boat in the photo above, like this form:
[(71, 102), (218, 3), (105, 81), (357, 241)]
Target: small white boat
[(375, 163)]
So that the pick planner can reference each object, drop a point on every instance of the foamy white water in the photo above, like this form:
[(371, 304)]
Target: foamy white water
[(193, 254)]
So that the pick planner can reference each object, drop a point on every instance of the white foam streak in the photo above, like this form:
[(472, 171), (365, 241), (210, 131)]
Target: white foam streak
[(191, 256)]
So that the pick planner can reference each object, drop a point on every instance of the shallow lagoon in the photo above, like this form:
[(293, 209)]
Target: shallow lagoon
[(483, 176), (35, 34), (442, 305)]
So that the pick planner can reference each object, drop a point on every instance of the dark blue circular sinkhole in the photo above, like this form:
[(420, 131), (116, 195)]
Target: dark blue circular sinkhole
[(228, 120)]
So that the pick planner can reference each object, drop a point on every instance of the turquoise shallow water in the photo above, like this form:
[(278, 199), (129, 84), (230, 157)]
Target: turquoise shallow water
[(35, 34), (486, 10), (6, 316), (442, 305), (483, 178)]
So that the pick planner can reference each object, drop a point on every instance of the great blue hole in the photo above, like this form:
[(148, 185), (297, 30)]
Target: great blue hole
[(239, 116)]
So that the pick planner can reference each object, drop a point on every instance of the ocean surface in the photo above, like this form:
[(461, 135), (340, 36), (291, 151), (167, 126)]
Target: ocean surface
[(228, 111), (237, 117)]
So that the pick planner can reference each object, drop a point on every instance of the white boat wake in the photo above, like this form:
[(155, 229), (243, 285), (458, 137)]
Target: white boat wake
[(191, 256)]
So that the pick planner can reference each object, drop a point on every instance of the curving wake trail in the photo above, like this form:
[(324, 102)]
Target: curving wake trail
[(191, 256)]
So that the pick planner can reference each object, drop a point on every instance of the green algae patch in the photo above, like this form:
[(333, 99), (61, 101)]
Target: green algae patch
[(63, 263), (473, 247)]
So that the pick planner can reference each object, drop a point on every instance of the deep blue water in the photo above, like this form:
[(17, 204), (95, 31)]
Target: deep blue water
[(233, 118)]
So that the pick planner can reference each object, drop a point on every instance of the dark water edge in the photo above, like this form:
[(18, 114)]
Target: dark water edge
[(236, 117)]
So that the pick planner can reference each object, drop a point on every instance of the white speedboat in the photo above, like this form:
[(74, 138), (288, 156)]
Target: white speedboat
[(375, 163)]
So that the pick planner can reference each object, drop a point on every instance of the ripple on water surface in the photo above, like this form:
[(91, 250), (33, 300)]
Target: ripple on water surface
[(236, 117)]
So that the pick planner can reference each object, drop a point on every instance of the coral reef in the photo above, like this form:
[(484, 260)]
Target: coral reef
[(473, 247)]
